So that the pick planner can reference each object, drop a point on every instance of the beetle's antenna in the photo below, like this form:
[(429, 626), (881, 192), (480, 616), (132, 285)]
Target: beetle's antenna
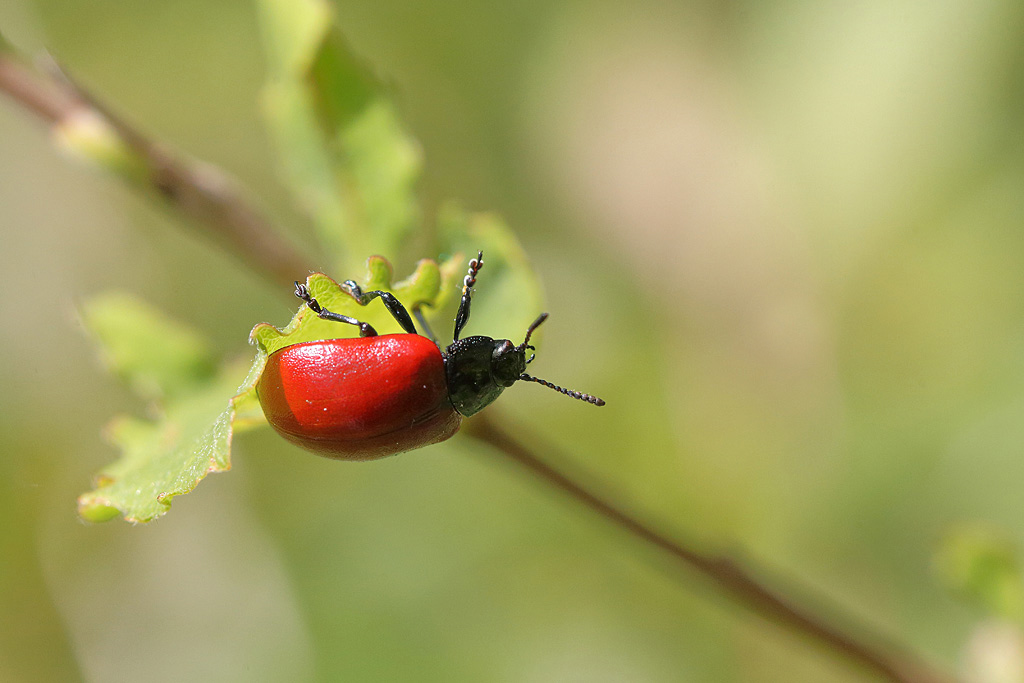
[(529, 331), (568, 392)]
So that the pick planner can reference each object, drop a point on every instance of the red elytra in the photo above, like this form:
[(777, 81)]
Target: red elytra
[(359, 398)]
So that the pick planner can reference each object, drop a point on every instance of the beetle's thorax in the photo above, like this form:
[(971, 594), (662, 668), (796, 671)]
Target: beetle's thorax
[(479, 369)]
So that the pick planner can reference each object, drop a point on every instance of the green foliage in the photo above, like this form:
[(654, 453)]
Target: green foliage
[(158, 357), (421, 288), (167, 363), (346, 154), (352, 165), (983, 566)]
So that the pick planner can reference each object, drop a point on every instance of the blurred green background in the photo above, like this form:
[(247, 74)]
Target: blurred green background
[(784, 240)]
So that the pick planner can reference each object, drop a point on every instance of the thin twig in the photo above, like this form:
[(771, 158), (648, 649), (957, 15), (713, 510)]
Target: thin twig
[(204, 195), (201, 192), (894, 663)]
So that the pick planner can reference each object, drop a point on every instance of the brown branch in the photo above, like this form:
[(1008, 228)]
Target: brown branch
[(892, 662), (204, 194)]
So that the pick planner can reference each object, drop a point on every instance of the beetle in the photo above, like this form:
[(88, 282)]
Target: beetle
[(367, 397)]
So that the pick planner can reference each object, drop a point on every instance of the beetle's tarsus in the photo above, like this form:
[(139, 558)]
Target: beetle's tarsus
[(352, 289), (302, 291)]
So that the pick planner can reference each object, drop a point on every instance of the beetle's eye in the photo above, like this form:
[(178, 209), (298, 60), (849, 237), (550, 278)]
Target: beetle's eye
[(502, 349)]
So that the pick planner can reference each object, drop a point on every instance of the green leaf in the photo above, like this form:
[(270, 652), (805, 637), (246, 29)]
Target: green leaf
[(422, 288), (347, 157), (155, 355), (983, 566), (166, 458), (429, 287), (171, 365)]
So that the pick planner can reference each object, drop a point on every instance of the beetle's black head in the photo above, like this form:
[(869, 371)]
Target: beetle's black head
[(508, 362), (480, 368)]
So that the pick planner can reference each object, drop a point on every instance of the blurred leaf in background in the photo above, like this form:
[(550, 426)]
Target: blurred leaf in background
[(168, 363), (983, 565), (347, 156)]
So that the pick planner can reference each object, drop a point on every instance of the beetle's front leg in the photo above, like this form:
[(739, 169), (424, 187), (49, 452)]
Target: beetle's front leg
[(302, 291), (462, 317)]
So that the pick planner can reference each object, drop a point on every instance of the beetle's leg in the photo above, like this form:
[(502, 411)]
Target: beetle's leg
[(467, 292), (393, 305), (417, 312), (365, 329)]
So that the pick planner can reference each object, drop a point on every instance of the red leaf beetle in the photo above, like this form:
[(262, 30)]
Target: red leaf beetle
[(376, 395)]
